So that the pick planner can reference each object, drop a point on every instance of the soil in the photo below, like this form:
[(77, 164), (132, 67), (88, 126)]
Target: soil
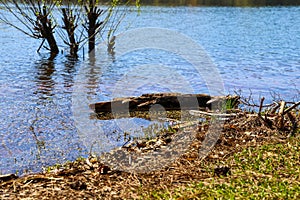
[(90, 179)]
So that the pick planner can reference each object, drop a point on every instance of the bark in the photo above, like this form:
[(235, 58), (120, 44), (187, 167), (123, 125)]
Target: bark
[(170, 101), (93, 13), (44, 26), (70, 27)]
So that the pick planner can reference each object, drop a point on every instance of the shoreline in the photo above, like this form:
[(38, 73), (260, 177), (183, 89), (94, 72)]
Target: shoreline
[(241, 135)]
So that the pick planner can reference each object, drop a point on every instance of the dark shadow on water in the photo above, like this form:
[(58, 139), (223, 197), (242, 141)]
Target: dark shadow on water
[(69, 71), (43, 78), (93, 74), (46, 72)]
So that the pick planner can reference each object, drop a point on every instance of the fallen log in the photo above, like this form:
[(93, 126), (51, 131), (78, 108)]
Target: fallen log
[(169, 102)]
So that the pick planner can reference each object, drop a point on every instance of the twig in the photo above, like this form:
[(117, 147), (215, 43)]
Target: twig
[(293, 119), (281, 115), (275, 108), (38, 50), (281, 111), (169, 119), (261, 105), (245, 102), (199, 113), (291, 108)]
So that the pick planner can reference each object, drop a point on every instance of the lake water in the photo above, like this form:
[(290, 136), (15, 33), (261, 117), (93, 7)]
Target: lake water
[(255, 49)]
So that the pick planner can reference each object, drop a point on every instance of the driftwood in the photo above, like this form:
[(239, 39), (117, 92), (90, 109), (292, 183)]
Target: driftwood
[(169, 101), (200, 113)]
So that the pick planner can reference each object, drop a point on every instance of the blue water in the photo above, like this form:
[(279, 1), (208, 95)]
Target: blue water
[(254, 49)]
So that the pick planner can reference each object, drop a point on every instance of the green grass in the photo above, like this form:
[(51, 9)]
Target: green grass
[(271, 171)]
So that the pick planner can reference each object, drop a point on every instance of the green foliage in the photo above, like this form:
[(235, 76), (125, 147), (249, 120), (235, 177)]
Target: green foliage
[(138, 3), (231, 103), (114, 3), (58, 3)]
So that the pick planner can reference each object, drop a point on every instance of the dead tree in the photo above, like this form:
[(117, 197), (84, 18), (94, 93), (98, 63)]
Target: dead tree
[(93, 24), (45, 29), (35, 19), (70, 25)]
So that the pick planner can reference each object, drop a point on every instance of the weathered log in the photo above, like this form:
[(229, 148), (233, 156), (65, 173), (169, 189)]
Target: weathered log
[(169, 101)]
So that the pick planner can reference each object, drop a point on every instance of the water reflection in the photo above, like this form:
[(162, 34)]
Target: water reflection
[(36, 126), (69, 71), (44, 82), (48, 100), (93, 75)]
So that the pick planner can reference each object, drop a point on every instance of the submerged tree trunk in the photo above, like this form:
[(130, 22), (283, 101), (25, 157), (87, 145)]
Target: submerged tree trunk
[(44, 26), (52, 43), (93, 13), (70, 27)]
